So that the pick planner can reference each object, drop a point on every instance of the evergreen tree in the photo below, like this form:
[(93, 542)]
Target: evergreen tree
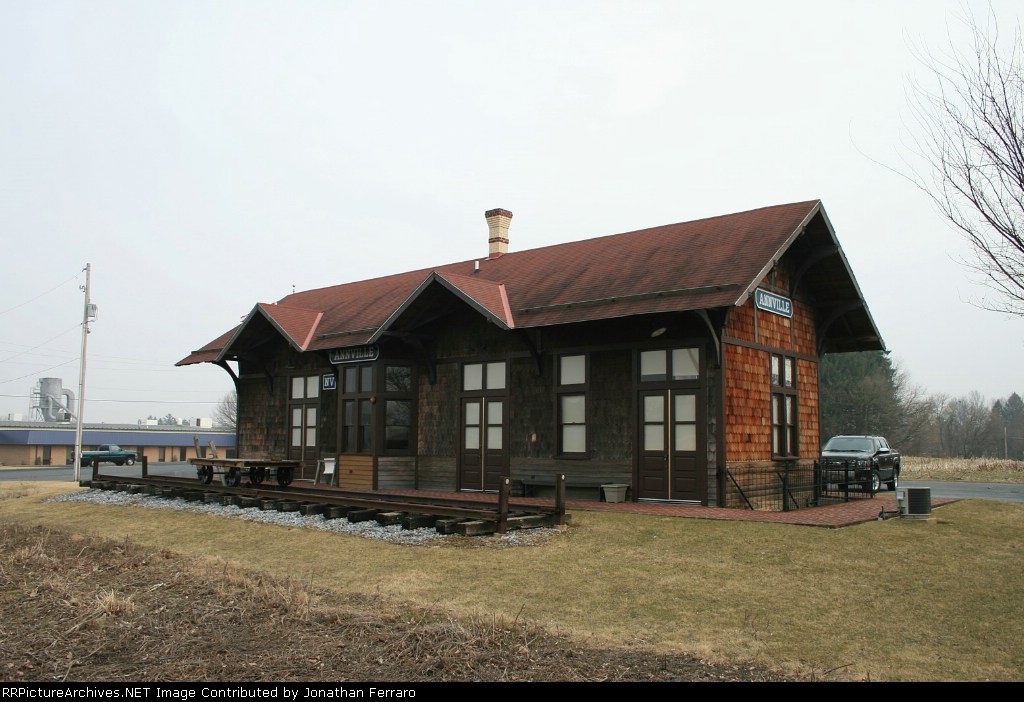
[(865, 393)]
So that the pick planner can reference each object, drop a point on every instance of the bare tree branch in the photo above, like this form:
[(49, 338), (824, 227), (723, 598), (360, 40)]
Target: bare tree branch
[(973, 125), (225, 414)]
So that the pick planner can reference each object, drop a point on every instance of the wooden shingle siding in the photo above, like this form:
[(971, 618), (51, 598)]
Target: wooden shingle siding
[(748, 383), (355, 472), (438, 415), (747, 403), (804, 335), (741, 322), (774, 330), (261, 418), (611, 421), (808, 409), (263, 407), (464, 334), (531, 412)]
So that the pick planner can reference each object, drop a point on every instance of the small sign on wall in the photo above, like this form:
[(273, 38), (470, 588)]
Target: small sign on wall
[(770, 302), (354, 354), (330, 381)]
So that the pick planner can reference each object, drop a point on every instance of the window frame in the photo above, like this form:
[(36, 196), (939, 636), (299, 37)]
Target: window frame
[(670, 377), (391, 395), (367, 388), (784, 410), (564, 390), (485, 389), (359, 397), (310, 397)]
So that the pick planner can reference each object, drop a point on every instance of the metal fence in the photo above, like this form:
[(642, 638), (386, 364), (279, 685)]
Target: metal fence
[(786, 487)]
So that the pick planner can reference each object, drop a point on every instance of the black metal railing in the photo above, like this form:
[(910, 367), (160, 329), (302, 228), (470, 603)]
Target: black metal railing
[(788, 486)]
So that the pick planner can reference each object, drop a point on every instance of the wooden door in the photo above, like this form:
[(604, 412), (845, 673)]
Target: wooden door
[(670, 467), (482, 458)]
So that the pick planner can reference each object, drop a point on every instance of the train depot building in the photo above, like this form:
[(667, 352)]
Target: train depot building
[(680, 361)]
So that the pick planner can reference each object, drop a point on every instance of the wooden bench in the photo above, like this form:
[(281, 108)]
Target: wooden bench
[(596, 482)]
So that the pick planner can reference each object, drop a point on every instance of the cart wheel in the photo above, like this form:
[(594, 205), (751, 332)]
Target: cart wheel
[(257, 474), (233, 477), (284, 476), (205, 474)]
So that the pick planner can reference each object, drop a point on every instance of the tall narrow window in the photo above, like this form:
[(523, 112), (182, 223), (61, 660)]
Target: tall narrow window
[(399, 384), (303, 416), (572, 404), (785, 439), (357, 408)]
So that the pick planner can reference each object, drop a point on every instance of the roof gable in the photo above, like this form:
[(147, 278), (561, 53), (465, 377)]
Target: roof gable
[(485, 296), (296, 324)]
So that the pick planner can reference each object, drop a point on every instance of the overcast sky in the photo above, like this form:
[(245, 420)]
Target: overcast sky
[(205, 156)]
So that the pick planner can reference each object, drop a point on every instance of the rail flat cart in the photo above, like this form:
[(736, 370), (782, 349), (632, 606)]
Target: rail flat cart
[(256, 469)]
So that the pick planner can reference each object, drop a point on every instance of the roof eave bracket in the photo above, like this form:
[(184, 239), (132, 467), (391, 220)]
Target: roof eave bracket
[(833, 316)]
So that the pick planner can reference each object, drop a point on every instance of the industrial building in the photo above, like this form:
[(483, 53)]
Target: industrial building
[(50, 443), (48, 436)]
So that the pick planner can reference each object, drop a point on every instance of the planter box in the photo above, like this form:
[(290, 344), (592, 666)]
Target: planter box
[(614, 492)]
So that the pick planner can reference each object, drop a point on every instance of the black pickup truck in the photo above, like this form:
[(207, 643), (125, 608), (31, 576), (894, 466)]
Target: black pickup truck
[(860, 462), (110, 453)]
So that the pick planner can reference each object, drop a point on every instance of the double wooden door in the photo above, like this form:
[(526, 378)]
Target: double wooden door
[(671, 431), (484, 461)]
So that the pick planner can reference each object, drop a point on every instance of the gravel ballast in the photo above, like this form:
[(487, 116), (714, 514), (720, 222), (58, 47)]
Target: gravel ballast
[(369, 530)]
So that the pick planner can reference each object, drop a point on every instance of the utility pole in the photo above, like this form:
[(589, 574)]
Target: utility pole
[(88, 315)]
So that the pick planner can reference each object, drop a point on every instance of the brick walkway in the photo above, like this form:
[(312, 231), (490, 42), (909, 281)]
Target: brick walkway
[(855, 511)]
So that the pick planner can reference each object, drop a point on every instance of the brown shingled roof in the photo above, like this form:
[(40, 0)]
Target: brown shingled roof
[(298, 324), (703, 264)]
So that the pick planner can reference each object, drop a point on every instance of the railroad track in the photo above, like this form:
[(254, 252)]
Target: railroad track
[(447, 515)]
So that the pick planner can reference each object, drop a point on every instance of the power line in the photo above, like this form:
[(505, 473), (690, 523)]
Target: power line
[(29, 375), (11, 309), (155, 366), (22, 353)]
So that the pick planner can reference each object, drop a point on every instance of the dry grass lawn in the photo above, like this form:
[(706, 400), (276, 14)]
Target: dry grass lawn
[(892, 600), (978, 470)]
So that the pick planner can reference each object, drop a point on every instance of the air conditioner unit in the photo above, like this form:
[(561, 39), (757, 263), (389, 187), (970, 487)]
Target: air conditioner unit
[(915, 502)]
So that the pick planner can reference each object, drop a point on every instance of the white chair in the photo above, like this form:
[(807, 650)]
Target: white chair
[(325, 470)]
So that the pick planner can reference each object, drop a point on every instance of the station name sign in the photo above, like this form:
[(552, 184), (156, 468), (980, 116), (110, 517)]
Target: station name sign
[(355, 354), (770, 302)]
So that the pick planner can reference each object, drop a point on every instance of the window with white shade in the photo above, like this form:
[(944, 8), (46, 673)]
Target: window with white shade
[(303, 415), (660, 365), (477, 377), (572, 404), (784, 437)]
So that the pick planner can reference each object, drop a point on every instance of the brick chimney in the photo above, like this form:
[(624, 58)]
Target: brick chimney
[(498, 222)]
